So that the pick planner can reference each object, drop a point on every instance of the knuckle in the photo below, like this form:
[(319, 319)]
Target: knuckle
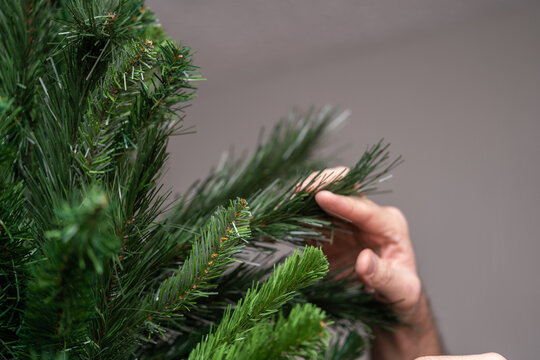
[(394, 211), (397, 217)]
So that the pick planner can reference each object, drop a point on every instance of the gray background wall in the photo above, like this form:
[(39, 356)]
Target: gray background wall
[(453, 85)]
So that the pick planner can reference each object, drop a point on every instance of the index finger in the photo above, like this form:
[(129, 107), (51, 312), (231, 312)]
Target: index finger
[(360, 211)]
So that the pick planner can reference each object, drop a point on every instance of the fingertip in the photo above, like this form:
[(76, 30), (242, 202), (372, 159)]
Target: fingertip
[(325, 199)]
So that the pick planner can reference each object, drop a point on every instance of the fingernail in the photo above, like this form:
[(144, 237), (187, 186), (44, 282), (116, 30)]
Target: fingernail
[(372, 263)]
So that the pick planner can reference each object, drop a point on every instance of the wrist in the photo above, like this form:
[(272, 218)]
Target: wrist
[(419, 315), (416, 336)]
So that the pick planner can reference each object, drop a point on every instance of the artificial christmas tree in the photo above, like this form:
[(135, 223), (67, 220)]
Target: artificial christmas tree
[(98, 263)]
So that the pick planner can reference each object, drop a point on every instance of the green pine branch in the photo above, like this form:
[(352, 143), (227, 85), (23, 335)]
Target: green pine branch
[(123, 323), (15, 238), (14, 250), (262, 301), (27, 33), (289, 147), (93, 34), (345, 345), (231, 286), (295, 217), (289, 211), (92, 21), (223, 237), (303, 334), (343, 298), (61, 298)]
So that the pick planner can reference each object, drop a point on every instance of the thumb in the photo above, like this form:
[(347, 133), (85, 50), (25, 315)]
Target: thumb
[(390, 281)]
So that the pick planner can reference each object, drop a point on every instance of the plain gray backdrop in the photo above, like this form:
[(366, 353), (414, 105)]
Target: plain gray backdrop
[(454, 85)]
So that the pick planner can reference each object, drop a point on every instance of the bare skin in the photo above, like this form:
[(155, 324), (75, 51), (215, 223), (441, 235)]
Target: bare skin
[(378, 245), (487, 356)]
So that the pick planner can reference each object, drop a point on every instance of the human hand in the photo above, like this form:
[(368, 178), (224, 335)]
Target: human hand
[(375, 239), (488, 356)]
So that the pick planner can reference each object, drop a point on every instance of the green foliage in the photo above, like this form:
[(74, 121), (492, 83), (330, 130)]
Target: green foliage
[(262, 301), (224, 236), (302, 334), (284, 210), (346, 347), (27, 32), (60, 295), (286, 151), (343, 298), (97, 262), (14, 234)]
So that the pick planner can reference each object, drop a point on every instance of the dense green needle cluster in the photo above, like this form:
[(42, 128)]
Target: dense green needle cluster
[(96, 261)]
